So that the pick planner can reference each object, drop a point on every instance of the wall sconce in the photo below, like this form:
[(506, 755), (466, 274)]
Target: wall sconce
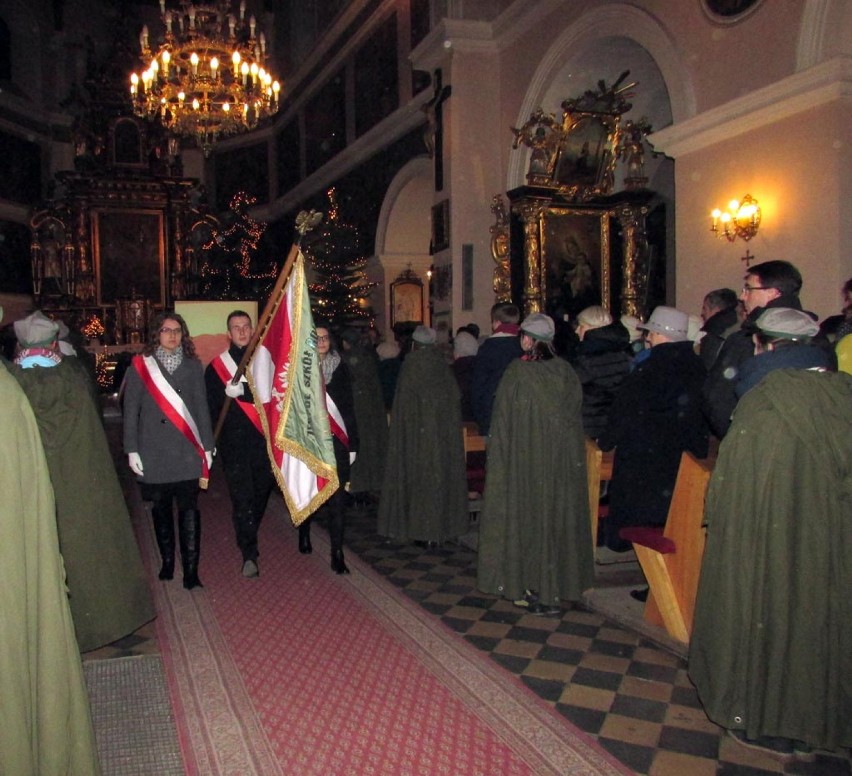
[(741, 219)]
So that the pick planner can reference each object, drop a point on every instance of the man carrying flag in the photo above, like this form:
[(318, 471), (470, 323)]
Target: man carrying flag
[(241, 444)]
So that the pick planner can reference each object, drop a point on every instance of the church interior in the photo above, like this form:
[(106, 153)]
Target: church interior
[(551, 153)]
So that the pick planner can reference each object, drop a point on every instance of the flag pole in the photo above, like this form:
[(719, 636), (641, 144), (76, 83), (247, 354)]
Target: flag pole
[(305, 221)]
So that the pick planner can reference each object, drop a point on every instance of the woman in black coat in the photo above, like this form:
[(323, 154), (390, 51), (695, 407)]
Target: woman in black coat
[(341, 407), (601, 361), (655, 417)]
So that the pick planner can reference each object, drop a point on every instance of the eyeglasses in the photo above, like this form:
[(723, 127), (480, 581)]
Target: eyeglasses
[(747, 289), (322, 337), (172, 331)]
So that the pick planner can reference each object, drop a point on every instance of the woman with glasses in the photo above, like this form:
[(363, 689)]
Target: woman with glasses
[(168, 439), (341, 412)]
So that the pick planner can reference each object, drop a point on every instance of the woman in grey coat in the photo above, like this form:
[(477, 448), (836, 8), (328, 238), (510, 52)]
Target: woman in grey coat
[(168, 438)]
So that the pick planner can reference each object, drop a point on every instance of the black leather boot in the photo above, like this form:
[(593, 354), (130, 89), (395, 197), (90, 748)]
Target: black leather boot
[(335, 534), (164, 530), (189, 531), (305, 538)]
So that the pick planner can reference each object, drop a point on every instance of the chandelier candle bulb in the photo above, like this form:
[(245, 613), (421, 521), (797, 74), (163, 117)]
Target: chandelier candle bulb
[(210, 61)]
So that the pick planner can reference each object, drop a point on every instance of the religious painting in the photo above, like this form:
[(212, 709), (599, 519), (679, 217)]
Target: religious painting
[(575, 260), (406, 297), (129, 248), (127, 144), (584, 154)]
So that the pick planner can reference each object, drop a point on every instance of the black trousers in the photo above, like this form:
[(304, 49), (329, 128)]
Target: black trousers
[(249, 476)]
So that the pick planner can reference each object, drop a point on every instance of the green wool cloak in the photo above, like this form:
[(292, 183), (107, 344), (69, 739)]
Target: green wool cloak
[(534, 528), (46, 726), (372, 419), (771, 648), (424, 491), (108, 591)]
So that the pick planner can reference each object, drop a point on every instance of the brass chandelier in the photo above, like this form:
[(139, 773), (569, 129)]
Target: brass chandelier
[(207, 78)]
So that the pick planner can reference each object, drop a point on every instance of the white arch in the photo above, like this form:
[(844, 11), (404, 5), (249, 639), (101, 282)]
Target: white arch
[(611, 21), (418, 167), (822, 22)]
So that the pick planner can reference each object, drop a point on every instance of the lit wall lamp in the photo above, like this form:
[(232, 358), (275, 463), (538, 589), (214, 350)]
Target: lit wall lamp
[(741, 219)]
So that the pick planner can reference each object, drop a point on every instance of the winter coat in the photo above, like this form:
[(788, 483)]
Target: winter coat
[(602, 362), (494, 355), (167, 455), (655, 417)]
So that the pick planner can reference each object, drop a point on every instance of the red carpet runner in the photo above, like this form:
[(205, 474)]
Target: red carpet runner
[(304, 672)]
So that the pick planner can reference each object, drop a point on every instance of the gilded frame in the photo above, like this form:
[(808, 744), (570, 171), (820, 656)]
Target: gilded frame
[(406, 298), (129, 253), (575, 259)]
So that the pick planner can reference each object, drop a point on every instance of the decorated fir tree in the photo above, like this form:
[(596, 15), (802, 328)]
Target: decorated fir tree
[(339, 288), (230, 269)]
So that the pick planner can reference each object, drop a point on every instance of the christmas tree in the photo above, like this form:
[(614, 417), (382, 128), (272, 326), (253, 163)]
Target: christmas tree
[(340, 290), (229, 268)]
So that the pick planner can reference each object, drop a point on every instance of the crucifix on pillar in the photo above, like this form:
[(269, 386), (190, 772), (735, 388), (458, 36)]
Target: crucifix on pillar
[(433, 135), (748, 258)]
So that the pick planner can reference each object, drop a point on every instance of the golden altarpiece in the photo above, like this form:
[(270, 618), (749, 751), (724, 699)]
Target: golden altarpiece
[(567, 240), (119, 237)]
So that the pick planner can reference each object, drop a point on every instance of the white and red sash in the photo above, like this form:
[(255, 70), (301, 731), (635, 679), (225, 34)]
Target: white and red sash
[(335, 420), (225, 367), (172, 406)]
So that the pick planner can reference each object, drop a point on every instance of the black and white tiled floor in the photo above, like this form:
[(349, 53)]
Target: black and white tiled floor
[(607, 679)]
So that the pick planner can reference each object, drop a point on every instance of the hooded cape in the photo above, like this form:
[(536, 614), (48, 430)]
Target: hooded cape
[(47, 728), (424, 492), (771, 649), (534, 529), (108, 592)]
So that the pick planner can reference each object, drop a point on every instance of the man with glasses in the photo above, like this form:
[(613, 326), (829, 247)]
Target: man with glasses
[(241, 444), (770, 284)]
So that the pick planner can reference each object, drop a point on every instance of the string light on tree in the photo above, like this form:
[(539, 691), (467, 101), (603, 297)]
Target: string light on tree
[(340, 290)]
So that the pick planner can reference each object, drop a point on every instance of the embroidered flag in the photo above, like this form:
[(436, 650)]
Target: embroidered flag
[(291, 402)]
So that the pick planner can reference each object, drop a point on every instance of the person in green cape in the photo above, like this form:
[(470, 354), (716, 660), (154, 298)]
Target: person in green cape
[(771, 647), (47, 726), (424, 491), (535, 544), (108, 591)]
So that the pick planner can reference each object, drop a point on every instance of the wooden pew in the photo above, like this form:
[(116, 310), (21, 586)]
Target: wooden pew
[(473, 440), (671, 557), (598, 469)]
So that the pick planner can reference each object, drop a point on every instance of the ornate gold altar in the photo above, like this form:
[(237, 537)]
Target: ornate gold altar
[(115, 240), (568, 240)]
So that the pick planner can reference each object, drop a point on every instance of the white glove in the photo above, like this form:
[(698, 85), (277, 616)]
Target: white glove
[(352, 457), (135, 464), (209, 456), (234, 390)]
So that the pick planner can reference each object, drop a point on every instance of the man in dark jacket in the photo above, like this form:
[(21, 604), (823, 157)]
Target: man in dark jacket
[(719, 319), (241, 444), (770, 284), (494, 355)]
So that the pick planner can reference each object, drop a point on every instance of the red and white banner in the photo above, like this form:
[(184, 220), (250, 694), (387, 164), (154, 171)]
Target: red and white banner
[(287, 384)]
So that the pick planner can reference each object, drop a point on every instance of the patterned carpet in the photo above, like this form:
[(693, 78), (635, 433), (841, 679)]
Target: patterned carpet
[(613, 683)]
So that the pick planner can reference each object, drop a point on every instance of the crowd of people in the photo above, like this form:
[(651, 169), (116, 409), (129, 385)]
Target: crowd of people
[(754, 370)]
